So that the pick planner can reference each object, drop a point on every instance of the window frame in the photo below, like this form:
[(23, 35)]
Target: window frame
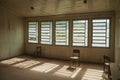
[(87, 31), (110, 26), (41, 30), (68, 31), (28, 33)]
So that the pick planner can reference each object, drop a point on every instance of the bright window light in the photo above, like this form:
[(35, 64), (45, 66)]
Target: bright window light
[(65, 71), (33, 32), (26, 64), (46, 32), (80, 33), (62, 32), (93, 74), (46, 67), (12, 61), (101, 33)]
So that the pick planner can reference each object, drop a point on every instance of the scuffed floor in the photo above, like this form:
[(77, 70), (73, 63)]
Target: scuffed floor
[(31, 68)]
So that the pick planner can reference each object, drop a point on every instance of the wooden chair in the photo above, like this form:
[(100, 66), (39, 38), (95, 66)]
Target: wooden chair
[(38, 51), (75, 58), (106, 67)]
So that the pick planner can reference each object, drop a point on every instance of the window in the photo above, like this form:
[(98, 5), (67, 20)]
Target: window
[(62, 30), (46, 32), (33, 32), (101, 32), (80, 33)]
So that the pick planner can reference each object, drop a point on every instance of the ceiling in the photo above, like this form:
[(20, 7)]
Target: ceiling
[(29, 8)]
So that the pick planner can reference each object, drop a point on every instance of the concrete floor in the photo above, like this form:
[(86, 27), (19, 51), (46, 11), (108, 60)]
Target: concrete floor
[(30, 68)]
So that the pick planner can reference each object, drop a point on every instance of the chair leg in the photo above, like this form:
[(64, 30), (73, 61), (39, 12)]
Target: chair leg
[(78, 63), (71, 63), (74, 64), (104, 68)]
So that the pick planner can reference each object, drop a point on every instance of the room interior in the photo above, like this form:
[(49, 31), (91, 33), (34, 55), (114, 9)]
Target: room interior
[(16, 17)]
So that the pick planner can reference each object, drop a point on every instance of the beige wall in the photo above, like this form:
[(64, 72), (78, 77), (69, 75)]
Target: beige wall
[(88, 54), (11, 34), (117, 36)]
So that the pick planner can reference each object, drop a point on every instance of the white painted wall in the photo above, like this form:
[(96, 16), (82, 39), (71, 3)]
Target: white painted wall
[(11, 34)]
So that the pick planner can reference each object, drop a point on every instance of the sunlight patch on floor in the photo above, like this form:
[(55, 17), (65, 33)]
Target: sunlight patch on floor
[(93, 74), (26, 64), (65, 71), (12, 61), (46, 67)]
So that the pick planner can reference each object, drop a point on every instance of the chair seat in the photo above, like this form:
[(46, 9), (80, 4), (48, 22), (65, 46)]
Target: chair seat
[(74, 58), (107, 64)]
